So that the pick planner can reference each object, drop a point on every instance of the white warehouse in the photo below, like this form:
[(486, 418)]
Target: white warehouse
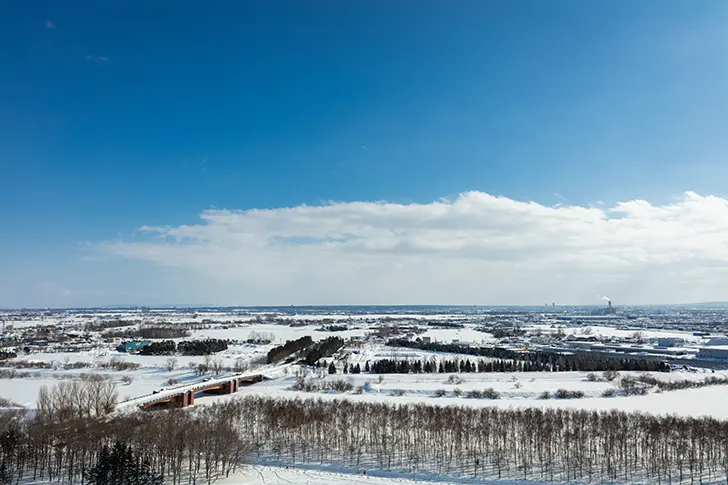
[(718, 352)]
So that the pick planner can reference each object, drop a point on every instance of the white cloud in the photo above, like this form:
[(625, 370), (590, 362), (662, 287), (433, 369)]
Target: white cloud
[(49, 25), (477, 248), (97, 59)]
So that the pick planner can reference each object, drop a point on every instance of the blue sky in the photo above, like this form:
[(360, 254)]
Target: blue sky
[(121, 115)]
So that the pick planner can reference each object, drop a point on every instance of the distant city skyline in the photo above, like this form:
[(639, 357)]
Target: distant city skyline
[(278, 153)]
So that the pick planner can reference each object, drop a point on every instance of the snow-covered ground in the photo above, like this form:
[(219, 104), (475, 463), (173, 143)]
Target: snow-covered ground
[(420, 388), (520, 389), (302, 475), (609, 331), (516, 389), (313, 475), (281, 333)]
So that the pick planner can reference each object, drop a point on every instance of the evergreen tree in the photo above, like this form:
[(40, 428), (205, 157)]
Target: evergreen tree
[(332, 368), (121, 466)]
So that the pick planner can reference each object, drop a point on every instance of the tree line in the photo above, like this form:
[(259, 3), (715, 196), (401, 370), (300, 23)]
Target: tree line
[(489, 443), (431, 366), (324, 348), (101, 325), (186, 347), (142, 448), (310, 352), (155, 332), (291, 347), (540, 360), (7, 354)]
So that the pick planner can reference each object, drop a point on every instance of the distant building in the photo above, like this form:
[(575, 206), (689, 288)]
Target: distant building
[(665, 342), (589, 318), (716, 341), (131, 347), (610, 309), (714, 353)]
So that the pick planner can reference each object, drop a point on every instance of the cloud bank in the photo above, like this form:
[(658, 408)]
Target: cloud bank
[(475, 249)]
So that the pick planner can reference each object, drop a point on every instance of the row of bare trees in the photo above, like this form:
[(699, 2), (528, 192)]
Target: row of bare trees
[(532, 443), (200, 444), (92, 397), (183, 446)]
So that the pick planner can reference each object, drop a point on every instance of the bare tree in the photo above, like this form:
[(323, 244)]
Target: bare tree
[(217, 366)]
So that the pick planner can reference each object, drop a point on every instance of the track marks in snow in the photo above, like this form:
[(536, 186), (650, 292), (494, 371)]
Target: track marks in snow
[(273, 475)]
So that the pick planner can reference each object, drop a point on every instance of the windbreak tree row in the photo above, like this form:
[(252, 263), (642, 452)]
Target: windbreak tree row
[(541, 360), (433, 365), (154, 332), (289, 348), (322, 349), (186, 347)]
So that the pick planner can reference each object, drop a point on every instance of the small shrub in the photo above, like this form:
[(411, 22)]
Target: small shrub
[(7, 403), (610, 375), (172, 382), (475, 394), (639, 391), (592, 377), (632, 387), (127, 380), (454, 379), (440, 393), (545, 395), (649, 380), (609, 393), (566, 394), (491, 393), (119, 364), (339, 386), (359, 390), (627, 383), (457, 392), (397, 392), (302, 384)]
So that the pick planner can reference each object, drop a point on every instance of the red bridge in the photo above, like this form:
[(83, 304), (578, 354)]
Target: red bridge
[(184, 396)]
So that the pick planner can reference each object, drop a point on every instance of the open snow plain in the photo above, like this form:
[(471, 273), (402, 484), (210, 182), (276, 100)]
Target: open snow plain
[(53, 347), (515, 389)]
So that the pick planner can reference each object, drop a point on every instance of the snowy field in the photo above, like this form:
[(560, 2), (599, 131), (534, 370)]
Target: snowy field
[(312, 475), (514, 389), (247, 336), (420, 388), (274, 475), (609, 331)]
